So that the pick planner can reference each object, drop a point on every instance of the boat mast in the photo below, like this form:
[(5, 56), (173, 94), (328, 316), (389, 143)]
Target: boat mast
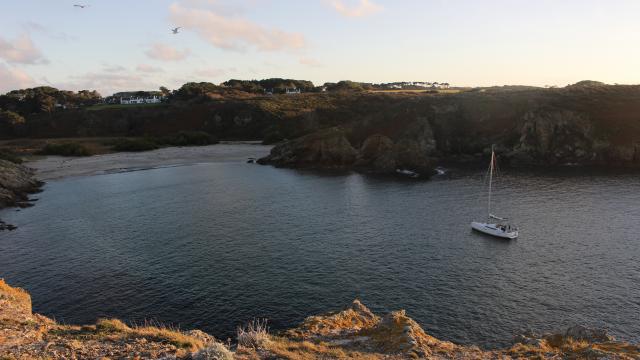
[(491, 165)]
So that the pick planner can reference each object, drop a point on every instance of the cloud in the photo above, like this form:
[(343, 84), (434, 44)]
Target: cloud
[(46, 31), (13, 78), (166, 53), (310, 62), (211, 73), (108, 83), (233, 33), (146, 68), (363, 8), (114, 68), (21, 51)]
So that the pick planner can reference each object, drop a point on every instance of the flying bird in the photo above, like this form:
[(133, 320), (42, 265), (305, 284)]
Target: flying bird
[(175, 30), (80, 6)]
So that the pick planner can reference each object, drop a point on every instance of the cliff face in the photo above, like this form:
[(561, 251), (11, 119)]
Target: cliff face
[(353, 333), (16, 183), (580, 125), (585, 124)]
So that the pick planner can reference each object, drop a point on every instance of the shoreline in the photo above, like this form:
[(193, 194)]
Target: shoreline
[(57, 167), (353, 332)]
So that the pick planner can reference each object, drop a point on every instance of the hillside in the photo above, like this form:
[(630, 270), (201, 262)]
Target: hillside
[(587, 123)]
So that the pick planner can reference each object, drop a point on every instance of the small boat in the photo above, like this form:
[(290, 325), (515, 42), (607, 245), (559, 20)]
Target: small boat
[(495, 226)]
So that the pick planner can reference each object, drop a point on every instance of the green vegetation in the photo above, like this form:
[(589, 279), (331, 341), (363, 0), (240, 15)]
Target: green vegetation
[(65, 149), (183, 138), (8, 155), (46, 99), (120, 106), (347, 85), (274, 85), (188, 138), (193, 90), (12, 124), (133, 145)]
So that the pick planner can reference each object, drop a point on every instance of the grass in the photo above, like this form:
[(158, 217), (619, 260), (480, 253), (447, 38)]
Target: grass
[(116, 329), (254, 335), (64, 149), (283, 348), (133, 145), (182, 138), (215, 351), (8, 155), (120, 106), (16, 295)]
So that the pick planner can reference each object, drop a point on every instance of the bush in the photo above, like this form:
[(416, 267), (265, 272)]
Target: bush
[(10, 156), (272, 138), (185, 138), (215, 351), (254, 335), (133, 145), (65, 149)]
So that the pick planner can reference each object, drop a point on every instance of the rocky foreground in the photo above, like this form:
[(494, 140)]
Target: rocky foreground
[(355, 333), (16, 183)]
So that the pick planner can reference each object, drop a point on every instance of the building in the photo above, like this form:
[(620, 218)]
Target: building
[(292, 91), (137, 97)]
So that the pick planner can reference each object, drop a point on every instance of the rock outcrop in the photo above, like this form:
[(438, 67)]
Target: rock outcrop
[(353, 333), (328, 148), (16, 183), (331, 149)]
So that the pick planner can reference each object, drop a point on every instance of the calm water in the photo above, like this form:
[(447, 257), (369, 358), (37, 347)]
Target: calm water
[(211, 246)]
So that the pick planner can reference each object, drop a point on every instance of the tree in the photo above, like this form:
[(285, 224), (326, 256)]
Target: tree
[(165, 92), (11, 124)]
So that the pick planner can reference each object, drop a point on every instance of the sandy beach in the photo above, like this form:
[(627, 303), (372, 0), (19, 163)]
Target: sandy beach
[(56, 167)]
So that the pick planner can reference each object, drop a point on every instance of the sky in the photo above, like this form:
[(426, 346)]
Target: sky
[(117, 45)]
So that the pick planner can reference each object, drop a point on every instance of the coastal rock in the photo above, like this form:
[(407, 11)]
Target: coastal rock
[(328, 148), (353, 333), (555, 137), (579, 332), (16, 182)]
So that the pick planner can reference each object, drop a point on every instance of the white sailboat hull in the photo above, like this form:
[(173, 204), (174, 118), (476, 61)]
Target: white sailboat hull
[(494, 230)]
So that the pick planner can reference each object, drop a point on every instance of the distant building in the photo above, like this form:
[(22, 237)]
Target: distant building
[(292, 91), (137, 97)]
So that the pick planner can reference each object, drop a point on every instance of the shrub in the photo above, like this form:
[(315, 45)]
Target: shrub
[(254, 335), (65, 149), (10, 156), (215, 351), (111, 326), (272, 138), (185, 138), (134, 145)]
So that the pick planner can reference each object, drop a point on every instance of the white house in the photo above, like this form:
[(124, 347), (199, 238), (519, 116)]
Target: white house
[(292, 91), (138, 97)]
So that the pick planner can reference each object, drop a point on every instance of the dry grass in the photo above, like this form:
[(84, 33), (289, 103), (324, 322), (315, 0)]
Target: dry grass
[(114, 328), (215, 351), (17, 296), (254, 335), (283, 348)]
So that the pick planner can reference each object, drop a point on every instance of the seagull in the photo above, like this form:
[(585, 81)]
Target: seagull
[(80, 6), (175, 30)]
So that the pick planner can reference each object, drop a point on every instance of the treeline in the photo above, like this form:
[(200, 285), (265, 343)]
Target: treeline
[(274, 85), (17, 105)]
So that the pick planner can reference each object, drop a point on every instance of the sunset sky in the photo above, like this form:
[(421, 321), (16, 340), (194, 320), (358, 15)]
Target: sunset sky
[(127, 45)]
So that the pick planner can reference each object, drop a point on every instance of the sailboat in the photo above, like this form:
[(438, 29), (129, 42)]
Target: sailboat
[(495, 226)]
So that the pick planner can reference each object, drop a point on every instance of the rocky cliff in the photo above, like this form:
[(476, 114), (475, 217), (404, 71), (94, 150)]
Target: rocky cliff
[(578, 125), (353, 333), (16, 183)]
